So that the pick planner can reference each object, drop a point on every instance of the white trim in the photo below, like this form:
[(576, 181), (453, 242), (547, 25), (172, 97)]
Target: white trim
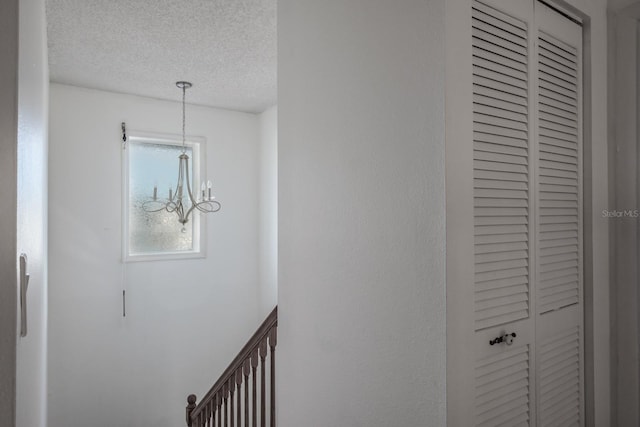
[(625, 153)]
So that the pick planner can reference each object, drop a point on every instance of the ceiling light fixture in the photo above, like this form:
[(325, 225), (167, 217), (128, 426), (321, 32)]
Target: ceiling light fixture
[(180, 202)]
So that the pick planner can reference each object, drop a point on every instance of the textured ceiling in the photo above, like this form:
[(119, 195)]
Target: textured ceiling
[(226, 48)]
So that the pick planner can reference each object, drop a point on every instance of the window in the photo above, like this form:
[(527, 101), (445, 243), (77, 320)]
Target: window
[(151, 166)]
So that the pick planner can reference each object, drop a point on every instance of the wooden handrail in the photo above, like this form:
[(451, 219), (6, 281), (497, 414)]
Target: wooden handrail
[(246, 359)]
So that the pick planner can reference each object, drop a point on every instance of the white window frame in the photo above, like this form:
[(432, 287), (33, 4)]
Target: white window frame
[(198, 170)]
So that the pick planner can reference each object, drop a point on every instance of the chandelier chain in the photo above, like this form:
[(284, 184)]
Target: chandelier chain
[(184, 148)]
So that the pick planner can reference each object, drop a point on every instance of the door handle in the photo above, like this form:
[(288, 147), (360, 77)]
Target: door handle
[(24, 284), (506, 338)]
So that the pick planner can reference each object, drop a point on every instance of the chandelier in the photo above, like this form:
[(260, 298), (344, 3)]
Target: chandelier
[(181, 201)]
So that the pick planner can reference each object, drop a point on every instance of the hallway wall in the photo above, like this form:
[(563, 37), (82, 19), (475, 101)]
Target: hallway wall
[(268, 241), (33, 104), (186, 319), (361, 292)]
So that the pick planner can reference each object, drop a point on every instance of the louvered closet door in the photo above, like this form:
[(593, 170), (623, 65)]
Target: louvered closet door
[(527, 215), (502, 191), (559, 265)]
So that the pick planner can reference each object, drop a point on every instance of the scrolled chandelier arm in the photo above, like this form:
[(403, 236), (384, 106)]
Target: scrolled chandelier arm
[(179, 202)]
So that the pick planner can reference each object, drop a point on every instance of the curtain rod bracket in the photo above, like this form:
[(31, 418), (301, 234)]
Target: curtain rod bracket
[(124, 135)]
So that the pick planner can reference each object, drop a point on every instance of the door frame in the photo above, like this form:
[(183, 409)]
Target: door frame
[(458, 118), (624, 161), (9, 18)]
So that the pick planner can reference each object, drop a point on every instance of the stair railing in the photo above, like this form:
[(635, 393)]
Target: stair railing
[(225, 404)]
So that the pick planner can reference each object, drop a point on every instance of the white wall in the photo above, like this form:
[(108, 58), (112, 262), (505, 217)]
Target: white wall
[(268, 264), (9, 18), (361, 285), (186, 319), (617, 5), (33, 92)]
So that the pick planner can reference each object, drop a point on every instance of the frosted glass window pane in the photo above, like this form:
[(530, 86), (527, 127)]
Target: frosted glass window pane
[(155, 232)]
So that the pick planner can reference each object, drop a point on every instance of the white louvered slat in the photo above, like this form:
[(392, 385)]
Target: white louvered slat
[(551, 275), (491, 101), (495, 29), (496, 220), (499, 19), (561, 386), (555, 98), (496, 85), (563, 52), (481, 115), (504, 392), (556, 61), (501, 292), (560, 85), (493, 147), (559, 130), (561, 281), (502, 247), (485, 60), (503, 132), (557, 149), (550, 68), (570, 123), (559, 376), (498, 194), (494, 165), (500, 144), (551, 108), (501, 283), (513, 81), (502, 388), (493, 93)]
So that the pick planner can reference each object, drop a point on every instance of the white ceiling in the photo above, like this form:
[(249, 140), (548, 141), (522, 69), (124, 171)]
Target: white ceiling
[(226, 48)]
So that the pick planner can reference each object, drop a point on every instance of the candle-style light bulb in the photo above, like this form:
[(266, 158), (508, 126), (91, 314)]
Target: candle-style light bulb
[(202, 188), (155, 193), (209, 187), (170, 194)]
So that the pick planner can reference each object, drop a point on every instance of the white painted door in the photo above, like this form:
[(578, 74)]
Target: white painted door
[(524, 197), (559, 261)]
